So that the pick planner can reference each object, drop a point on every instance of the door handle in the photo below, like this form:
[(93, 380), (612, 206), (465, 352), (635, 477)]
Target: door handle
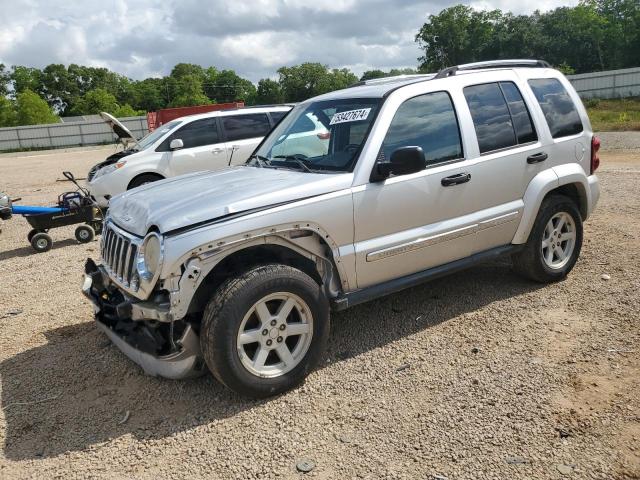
[(235, 147), (455, 179), (537, 157), (217, 150)]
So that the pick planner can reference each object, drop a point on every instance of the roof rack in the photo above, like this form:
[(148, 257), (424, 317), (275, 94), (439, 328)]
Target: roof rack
[(247, 107), (451, 71), (395, 78)]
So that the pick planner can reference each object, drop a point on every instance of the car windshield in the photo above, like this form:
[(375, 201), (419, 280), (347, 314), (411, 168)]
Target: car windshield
[(151, 137), (324, 136)]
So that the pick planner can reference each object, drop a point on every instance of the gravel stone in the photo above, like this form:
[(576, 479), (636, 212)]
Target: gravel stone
[(561, 355)]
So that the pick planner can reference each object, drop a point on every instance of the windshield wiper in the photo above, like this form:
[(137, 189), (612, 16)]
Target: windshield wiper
[(261, 160), (295, 158)]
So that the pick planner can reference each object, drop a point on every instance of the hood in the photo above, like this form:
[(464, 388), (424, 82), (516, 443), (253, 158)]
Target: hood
[(200, 197), (123, 133)]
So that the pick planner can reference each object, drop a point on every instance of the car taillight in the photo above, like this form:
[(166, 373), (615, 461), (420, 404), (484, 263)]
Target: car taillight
[(324, 135), (595, 156)]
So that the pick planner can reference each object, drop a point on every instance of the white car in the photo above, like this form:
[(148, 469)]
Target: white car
[(208, 141)]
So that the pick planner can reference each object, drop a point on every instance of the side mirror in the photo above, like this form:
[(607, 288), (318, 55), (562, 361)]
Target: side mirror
[(176, 144), (404, 160)]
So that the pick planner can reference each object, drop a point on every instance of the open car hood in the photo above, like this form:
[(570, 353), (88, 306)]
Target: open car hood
[(124, 134)]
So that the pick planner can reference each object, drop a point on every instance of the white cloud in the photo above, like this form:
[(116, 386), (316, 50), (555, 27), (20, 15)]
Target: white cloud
[(253, 37)]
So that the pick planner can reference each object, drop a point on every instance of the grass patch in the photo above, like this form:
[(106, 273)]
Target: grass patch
[(614, 115)]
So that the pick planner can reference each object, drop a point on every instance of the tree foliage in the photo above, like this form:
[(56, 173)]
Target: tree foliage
[(31, 109), (594, 35)]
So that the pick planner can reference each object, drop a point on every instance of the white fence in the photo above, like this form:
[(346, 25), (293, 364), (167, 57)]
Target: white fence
[(609, 84), (73, 134)]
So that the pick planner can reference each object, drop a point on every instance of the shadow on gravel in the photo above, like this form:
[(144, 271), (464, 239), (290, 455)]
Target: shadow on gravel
[(78, 390), (27, 250)]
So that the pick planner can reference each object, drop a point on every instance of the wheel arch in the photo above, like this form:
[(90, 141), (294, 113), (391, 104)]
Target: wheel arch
[(309, 253), (568, 180), (141, 174)]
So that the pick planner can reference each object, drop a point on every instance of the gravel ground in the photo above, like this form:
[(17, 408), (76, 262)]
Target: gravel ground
[(480, 375)]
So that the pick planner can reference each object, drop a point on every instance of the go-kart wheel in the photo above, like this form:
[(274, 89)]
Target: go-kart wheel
[(32, 233), (41, 242), (85, 233)]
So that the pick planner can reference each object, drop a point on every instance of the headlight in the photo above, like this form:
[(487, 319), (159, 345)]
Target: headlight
[(150, 256), (110, 168)]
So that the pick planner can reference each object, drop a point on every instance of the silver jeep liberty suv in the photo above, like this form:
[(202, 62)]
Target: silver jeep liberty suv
[(353, 195)]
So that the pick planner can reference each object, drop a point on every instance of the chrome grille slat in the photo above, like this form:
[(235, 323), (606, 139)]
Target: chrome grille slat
[(119, 252), (126, 273)]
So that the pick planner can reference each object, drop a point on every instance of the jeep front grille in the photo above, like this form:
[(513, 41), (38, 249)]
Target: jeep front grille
[(119, 251)]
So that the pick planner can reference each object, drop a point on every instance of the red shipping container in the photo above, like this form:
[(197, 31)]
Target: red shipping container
[(156, 119)]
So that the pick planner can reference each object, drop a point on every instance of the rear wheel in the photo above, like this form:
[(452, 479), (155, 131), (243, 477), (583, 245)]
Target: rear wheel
[(263, 331), (85, 233), (554, 243), (41, 242), (143, 180)]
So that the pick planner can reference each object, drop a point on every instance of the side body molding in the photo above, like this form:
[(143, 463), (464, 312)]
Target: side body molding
[(543, 183)]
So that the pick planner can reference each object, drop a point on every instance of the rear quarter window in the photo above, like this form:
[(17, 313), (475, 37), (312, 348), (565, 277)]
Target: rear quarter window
[(558, 108)]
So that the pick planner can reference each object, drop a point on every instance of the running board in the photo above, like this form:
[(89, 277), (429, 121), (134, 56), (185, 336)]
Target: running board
[(392, 286)]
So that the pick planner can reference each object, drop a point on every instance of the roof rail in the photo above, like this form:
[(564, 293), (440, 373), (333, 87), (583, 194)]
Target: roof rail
[(451, 71), (395, 78), (247, 107)]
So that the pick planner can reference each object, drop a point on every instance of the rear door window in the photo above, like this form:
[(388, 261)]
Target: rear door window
[(520, 117), (428, 121), (500, 116), (239, 127), (558, 108)]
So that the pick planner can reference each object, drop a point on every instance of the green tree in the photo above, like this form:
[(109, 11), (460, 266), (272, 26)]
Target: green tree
[(25, 78), (188, 92), (456, 35), (94, 102), (269, 92), (230, 87), (7, 112), (372, 74), (310, 79), (33, 110), (5, 80)]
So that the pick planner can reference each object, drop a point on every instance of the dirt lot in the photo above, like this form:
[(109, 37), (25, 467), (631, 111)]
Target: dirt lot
[(480, 375)]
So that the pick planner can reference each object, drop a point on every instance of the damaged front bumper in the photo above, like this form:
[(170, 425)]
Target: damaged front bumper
[(144, 331)]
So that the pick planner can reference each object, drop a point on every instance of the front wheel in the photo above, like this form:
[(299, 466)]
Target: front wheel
[(41, 242), (554, 242), (85, 233), (263, 331)]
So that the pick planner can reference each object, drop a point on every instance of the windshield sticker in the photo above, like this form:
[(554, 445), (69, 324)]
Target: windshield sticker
[(350, 116)]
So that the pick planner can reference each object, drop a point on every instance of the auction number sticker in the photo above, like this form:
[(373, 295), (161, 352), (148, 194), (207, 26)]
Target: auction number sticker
[(350, 116)]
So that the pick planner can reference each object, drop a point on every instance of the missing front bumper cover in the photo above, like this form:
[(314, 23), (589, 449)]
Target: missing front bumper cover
[(138, 331)]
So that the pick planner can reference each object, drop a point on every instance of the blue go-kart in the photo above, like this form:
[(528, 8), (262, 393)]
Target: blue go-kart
[(72, 208)]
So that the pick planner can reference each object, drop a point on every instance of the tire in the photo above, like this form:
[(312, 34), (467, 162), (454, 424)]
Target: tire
[(85, 233), (41, 242), (235, 306), (143, 180), (539, 260), (32, 233)]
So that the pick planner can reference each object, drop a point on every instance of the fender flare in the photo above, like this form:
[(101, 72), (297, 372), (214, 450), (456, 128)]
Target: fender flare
[(545, 182)]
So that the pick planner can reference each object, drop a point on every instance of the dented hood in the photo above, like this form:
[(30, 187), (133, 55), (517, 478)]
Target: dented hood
[(196, 198)]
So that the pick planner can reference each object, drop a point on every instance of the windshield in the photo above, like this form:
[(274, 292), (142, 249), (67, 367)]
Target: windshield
[(151, 137), (322, 136)]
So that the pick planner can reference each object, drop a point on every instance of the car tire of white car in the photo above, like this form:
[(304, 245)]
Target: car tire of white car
[(554, 243), (143, 180), (265, 330)]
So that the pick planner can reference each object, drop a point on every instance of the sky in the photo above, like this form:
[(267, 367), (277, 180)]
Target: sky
[(144, 38)]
